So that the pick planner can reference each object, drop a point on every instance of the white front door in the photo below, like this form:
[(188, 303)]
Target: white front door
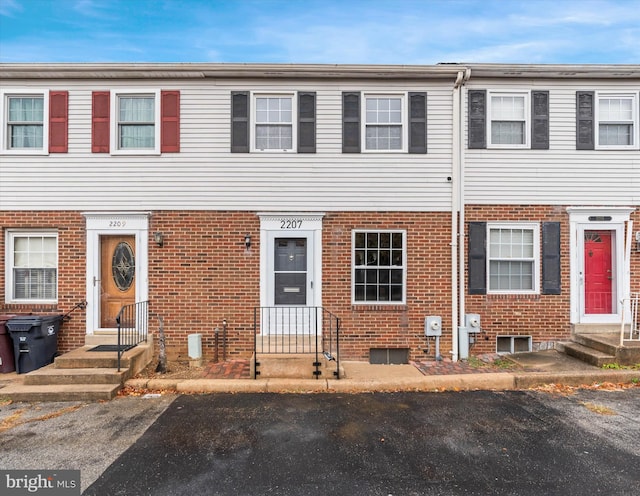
[(290, 261)]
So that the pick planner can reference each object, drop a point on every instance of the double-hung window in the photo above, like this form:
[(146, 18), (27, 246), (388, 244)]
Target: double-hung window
[(136, 127), (32, 266), (274, 123), (617, 120), (513, 258), (384, 128), (26, 122), (508, 119), (379, 266)]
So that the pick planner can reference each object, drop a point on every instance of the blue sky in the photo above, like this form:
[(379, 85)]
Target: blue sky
[(321, 31)]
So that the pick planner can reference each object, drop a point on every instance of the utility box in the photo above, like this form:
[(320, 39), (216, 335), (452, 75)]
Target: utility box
[(194, 343), (35, 340)]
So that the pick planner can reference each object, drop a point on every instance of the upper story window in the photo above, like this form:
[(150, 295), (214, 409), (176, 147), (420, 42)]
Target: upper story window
[(508, 119), (617, 120), (384, 122), (384, 127), (274, 124), (136, 127), (379, 266), (513, 258), (32, 266), (26, 118)]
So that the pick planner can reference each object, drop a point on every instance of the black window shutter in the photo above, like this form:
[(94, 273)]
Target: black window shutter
[(306, 122), (585, 120), (551, 258), (240, 122), (540, 120), (350, 122), (418, 122), (477, 258), (477, 118)]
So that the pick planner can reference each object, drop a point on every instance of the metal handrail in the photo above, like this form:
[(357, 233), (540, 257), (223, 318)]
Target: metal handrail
[(297, 330), (133, 326), (633, 303)]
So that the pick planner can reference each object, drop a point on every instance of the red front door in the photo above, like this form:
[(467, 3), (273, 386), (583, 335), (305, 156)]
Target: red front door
[(597, 272)]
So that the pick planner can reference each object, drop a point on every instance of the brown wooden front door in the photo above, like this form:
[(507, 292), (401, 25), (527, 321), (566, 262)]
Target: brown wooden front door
[(117, 276)]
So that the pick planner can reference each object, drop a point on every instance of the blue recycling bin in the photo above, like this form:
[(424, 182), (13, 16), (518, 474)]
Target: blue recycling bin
[(35, 340)]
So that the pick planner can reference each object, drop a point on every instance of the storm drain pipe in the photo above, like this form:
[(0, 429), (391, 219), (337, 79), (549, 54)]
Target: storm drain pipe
[(457, 211)]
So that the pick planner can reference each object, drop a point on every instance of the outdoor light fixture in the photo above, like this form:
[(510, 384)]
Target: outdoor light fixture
[(247, 241), (158, 237)]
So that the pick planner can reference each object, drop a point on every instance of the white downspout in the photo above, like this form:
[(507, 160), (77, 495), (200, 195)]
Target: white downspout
[(457, 205)]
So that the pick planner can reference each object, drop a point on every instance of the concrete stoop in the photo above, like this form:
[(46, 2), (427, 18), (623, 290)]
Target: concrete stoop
[(601, 348), (293, 366), (80, 375)]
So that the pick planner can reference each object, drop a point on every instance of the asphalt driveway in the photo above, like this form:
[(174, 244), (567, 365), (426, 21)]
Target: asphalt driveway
[(520, 443)]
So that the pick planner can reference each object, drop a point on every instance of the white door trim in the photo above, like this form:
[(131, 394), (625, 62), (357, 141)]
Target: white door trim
[(291, 225), (582, 219), (110, 223)]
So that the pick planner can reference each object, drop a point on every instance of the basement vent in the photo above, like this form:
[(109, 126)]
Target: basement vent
[(513, 344), (389, 356)]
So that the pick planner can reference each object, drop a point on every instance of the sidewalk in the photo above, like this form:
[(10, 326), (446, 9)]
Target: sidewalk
[(520, 371)]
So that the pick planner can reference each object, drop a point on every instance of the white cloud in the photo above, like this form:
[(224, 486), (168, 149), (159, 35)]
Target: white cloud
[(9, 8)]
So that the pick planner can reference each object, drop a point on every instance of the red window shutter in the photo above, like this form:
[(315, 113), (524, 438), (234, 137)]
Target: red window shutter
[(100, 122), (58, 121), (170, 121)]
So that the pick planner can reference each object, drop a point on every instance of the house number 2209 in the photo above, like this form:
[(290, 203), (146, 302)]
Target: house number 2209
[(291, 224), (117, 223)]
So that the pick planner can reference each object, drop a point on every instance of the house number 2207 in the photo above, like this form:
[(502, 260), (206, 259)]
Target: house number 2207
[(291, 224)]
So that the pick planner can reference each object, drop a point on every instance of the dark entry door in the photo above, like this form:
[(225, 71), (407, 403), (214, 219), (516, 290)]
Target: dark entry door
[(290, 271)]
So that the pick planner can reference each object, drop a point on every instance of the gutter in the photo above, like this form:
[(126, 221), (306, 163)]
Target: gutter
[(457, 211)]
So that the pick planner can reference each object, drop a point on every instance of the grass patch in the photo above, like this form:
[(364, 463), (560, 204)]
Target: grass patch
[(617, 366)]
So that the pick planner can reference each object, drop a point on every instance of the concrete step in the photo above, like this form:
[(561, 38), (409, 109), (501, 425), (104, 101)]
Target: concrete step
[(135, 359), (54, 375), (58, 392), (606, 343), (588, 355), (293, 366)]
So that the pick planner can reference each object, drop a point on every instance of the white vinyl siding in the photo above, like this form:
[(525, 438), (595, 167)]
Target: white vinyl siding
[(135, 122), (205, 175), (560, 175), (513, 258), (25, 122), (617, 121), (32, 266)]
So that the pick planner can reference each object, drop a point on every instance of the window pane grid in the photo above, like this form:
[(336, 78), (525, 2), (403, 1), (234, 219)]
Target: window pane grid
[(379, 271), (274, 123), (34, 270), (508, 119), (25, 122), (511, 259), (616, 121), (136, 122), (383, 123)]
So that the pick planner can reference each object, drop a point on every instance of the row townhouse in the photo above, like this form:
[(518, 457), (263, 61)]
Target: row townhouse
[(243, 198)]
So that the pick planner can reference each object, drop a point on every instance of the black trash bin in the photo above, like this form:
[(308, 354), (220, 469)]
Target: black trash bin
[(7, 362), (35, 340)]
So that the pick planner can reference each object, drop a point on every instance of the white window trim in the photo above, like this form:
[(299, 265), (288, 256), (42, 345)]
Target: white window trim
[(536, 255), (9, 244), (4, 112), (404, 122), (115, 94), (294, 120), (635, 120), (353, 267), (527, 116)]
